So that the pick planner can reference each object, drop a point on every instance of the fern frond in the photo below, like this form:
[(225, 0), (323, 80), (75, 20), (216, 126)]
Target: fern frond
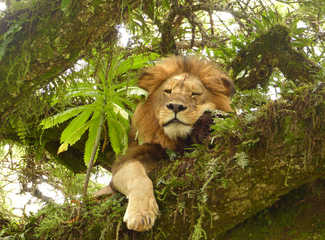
[(22, 130)]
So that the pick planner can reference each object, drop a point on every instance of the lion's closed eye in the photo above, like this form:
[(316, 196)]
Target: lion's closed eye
[(196, 93), (168, 91)]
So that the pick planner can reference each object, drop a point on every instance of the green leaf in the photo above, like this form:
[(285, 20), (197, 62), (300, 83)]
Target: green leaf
[(8, 37), (62, 117), (134, 91), (135, 62), (119, 110), (95, 125), (84, 92), (63, 147), (65, 5), (112, 70), (117, 135), (76, 128)]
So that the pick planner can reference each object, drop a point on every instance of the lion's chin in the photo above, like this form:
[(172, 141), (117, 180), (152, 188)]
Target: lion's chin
[(177, 130)]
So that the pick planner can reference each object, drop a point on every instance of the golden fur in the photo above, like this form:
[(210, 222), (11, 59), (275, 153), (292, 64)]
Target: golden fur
[(180, 90), (145, 121)]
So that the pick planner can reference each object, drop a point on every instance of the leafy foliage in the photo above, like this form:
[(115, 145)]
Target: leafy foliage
[(8, 37), (108, 100), (97, 96)]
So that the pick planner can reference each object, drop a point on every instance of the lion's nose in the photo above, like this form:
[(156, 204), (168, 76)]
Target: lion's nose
[(176, 107)]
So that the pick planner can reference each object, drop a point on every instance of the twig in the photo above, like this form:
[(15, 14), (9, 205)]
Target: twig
[(225, 25), (211, 22), (117, 231), (92, 158)]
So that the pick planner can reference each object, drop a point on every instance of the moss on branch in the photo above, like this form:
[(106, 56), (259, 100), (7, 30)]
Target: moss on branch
[(255, 63), (255, 160)]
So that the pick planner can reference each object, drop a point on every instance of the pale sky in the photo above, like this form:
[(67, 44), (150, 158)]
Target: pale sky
[(2, 6)]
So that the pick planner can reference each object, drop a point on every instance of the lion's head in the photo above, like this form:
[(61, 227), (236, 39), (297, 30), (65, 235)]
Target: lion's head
[(180, 90)]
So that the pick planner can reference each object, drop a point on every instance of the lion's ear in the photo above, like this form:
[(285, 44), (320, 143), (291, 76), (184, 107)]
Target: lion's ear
[(145, 81), (229, 85), (152, 77)]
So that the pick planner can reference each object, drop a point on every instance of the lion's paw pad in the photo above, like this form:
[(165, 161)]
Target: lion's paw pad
[(141, 214)]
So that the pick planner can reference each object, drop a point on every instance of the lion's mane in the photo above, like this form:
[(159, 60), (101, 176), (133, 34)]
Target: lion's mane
[(144, 122)]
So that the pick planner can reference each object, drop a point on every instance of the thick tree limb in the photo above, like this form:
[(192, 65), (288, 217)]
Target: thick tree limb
[(254, 164), (210, 190), (284, 148), (256, 62)]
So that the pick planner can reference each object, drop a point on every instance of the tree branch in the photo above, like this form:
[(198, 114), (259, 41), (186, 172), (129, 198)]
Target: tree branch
[(252, 166), (43, 41), (269, 51), (211, 189)]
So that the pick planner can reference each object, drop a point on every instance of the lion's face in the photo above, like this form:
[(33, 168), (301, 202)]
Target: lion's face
[(180, 90), (179, 103)]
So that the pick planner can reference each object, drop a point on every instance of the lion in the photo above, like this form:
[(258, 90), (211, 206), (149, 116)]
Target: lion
[(180, 90)]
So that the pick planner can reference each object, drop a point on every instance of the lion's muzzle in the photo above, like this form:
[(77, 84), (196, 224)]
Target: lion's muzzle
[(176, 107)]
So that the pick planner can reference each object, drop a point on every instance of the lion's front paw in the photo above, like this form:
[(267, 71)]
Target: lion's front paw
[(141, 212)]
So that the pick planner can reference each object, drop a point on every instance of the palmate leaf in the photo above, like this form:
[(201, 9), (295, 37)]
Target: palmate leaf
[(94, 128), (62, 117)]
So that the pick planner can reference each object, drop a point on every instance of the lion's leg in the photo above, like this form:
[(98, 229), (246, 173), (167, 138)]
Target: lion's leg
[(131, 179)]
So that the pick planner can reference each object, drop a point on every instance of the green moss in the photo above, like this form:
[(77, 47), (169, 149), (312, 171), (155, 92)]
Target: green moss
[(297, 216), (90, 221)]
